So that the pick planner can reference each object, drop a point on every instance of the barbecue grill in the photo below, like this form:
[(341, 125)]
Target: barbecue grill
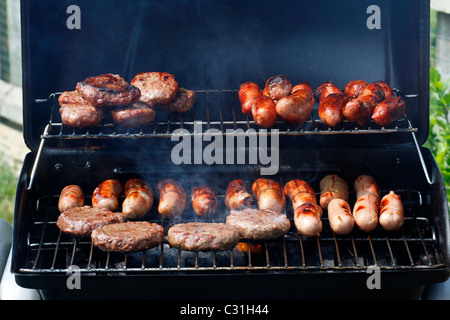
[(212, 48)]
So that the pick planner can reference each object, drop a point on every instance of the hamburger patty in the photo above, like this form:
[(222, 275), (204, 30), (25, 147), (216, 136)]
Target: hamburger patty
[(108, 90), (183, 102), (202, 236), (156, 87), (133, 115), (128, 237), (76, 112), (80, 221), (257, 224)]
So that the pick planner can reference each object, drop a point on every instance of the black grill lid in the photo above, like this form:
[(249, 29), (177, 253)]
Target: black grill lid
[(219, 45)]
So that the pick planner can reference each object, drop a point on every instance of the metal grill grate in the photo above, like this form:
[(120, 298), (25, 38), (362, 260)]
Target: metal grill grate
[(413, 247)]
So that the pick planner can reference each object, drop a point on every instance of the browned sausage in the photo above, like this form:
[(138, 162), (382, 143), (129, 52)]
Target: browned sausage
[(365, 211), (138, 198), (172, 198), (264, 112), (71, 196), (388, 111), (269, 195), (278, 87), (307, 213), (360, 110), (325, 89), (388, 91), (340, 216), (247, 93), (332, 187), (204, 200), (297, 107), (355, 88), (331, 108), (305, 85), (391, 212), (237, 196), (106, 195)]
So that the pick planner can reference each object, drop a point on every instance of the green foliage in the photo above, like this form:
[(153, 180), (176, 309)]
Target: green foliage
[(439, 138), (8, 184)]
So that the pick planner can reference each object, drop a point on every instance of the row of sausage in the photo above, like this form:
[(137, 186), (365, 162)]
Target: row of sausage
[(358, 102)]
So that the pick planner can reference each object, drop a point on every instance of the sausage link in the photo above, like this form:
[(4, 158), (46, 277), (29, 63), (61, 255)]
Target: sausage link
[(278, 87), (366, 209), (355, 88), (297, 107), (138, 198), (325, 89), (264, 112), (360, 110), (71, 196), (307, 213), (332, 187), (392, 214), (305, 85), (331, 108), (388, 91), (269, 195), (106, 195), (237, 196), (247, 93), (204, 200), (172, 198), (388, 111), (340, 216)]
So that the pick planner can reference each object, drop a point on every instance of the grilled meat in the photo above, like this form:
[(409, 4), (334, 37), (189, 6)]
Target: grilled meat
[(237, 196), (183, 102), (71, 196), (365, 210), (77, 112), (388, 111), (172, 198), (331, 108), (248, 91), (392, 214), (156, 87), (354, 88), (325, 89), (138, 198), (204, 201), (297, 107), (264, 111), (134, 115), (340, 216), (269, 195), (332, 187), (278, 87), (106, 195)]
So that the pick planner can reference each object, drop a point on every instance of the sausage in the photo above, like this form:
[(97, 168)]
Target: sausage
[(172, 198), (360, 110), (388, 111), (204, 200), (247, 93), (391, 212), (388, 91), (264, 111), (138, 198), (365, 211), (269, 195), (305, 85), (340, 216), (332, 187), (307, 213), (297, 107), (331, 108), (355, 88), (278, 87), (237, 196), (106, 195), (71, 196), (325, 89)]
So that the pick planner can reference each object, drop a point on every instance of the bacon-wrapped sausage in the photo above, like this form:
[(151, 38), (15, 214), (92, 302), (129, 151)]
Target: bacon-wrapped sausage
[(354, 88), (172, 198), (365, 211), (138, 198), (278, 87), (391, 212), (360, 110), (325, 89), (340, 216), (247, 94), (264, 112), (388, 111), (307, 213), (297, 107), (71, 196), (106, 195), (332, 187), (269, 195), (204, 200), (237, 196), (331, 108)]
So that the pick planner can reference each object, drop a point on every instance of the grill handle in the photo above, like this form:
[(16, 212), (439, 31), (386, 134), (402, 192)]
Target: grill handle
[(422, 161)]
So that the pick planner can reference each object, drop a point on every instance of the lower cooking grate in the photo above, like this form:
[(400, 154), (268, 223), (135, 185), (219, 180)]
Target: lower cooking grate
[(413, 247)]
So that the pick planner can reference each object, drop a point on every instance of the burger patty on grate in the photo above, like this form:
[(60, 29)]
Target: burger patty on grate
[(128, 237), (81, 221), (133, 115), (108, 90), (156, 87), (77, 112), (203, 236), (258, 224)]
